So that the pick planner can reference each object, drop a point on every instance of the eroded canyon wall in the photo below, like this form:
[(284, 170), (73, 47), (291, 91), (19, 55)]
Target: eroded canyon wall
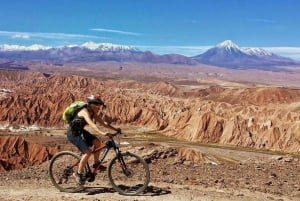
[(258, 117)]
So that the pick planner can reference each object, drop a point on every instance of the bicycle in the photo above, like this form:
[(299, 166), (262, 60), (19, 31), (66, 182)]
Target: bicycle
[(128, 173)]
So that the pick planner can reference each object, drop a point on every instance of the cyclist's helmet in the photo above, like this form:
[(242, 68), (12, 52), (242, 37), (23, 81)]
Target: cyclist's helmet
[(95, 100)]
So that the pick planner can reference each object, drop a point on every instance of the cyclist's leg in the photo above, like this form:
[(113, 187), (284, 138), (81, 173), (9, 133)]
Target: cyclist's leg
[(97, 143), (82, 145), (92, 140), (83, 161)]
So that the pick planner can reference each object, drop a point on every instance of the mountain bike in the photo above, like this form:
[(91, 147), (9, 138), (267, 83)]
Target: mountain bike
[(128, 173)]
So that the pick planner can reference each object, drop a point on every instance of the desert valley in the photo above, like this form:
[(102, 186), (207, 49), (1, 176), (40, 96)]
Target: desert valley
[(208, 132)]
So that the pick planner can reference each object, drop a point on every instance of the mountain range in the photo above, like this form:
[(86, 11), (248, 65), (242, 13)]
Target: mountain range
[(88, 52), (226, 54)]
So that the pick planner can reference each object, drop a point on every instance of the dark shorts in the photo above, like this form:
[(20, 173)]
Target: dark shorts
[(82, 141)]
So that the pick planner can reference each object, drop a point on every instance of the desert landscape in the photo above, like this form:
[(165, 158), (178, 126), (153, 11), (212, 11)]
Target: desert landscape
[(207, 133)]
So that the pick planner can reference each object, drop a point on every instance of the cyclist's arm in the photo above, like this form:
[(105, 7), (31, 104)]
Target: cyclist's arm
[(104, 123), (85, 114)]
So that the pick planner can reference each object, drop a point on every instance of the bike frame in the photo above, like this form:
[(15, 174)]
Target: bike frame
[(108, 146)]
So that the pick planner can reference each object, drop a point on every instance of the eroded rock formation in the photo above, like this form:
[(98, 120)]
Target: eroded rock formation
[(258, 117), (17, 153)]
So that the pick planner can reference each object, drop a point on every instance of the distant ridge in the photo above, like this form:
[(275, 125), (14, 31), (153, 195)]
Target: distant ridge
[(228, 54), (88, 52), (88, 45)]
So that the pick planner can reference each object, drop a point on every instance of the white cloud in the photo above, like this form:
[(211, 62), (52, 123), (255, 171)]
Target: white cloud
[(26, 35), (291, 52), (23, 36), (61, 35), (115, 31)]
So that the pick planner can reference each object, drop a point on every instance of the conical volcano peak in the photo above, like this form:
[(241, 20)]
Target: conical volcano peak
[(228, 44), (228, 54)]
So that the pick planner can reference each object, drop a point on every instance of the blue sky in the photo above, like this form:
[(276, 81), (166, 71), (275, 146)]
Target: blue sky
[(187, 27)]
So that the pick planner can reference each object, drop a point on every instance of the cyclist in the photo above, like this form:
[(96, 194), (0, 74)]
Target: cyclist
[(83, 139)]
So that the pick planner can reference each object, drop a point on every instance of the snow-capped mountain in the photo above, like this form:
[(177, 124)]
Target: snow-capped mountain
[(257, 52), (228, 44), (88, 45), (87, 52), (35, 47), (228, 54), (108, 47)]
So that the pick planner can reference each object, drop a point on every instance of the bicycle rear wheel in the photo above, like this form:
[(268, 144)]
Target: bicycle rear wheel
[(61, 169), (128, 174)]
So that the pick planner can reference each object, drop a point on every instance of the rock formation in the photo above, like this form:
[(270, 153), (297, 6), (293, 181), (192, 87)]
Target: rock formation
[(16, 153), (258, 117)]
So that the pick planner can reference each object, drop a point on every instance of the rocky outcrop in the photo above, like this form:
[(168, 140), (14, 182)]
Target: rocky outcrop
[(256, 117), (16, 153)]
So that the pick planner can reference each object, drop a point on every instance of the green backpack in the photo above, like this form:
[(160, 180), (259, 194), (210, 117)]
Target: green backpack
[(70, 112)]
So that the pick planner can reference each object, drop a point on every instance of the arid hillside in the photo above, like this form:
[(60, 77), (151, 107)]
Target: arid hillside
[(17, 153), (245, 115)]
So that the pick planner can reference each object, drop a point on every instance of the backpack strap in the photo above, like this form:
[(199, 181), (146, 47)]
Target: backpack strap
[(76, 113), (91, 112)]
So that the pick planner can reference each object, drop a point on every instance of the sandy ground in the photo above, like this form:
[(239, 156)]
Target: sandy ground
[(237, 175), (155, 192)]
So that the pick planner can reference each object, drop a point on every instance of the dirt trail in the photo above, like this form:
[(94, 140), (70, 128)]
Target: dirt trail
[(239, 175), (155, 192)]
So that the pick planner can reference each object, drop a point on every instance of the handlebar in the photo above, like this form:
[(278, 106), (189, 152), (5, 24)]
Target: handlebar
[(119, 132)]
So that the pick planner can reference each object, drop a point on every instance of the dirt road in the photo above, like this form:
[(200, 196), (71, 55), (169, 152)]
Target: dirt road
[(31, 190), (221, 174)]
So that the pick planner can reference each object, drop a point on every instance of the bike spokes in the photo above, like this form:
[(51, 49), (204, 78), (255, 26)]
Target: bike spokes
[(129, 174), (61, 169)]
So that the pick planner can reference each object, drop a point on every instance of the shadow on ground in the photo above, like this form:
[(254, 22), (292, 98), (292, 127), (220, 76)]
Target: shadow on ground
[(150, 191)]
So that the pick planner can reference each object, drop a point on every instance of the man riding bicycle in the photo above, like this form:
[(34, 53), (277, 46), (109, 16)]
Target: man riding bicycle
[(82, 138)]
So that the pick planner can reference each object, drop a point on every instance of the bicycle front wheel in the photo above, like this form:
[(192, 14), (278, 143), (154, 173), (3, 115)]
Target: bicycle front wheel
[(128, 174), (61, 169)]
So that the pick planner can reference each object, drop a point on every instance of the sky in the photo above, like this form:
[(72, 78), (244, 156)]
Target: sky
[(187, 27)]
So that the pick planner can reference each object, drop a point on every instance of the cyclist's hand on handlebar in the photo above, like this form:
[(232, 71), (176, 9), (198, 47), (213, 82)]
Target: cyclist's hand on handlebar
[(109, 135)]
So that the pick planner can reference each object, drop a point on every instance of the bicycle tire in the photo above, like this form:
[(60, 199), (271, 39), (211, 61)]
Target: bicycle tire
[(61, 169), (138, 176)]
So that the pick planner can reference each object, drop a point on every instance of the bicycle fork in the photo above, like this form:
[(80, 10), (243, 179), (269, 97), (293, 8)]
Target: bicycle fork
[(123, 164)]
